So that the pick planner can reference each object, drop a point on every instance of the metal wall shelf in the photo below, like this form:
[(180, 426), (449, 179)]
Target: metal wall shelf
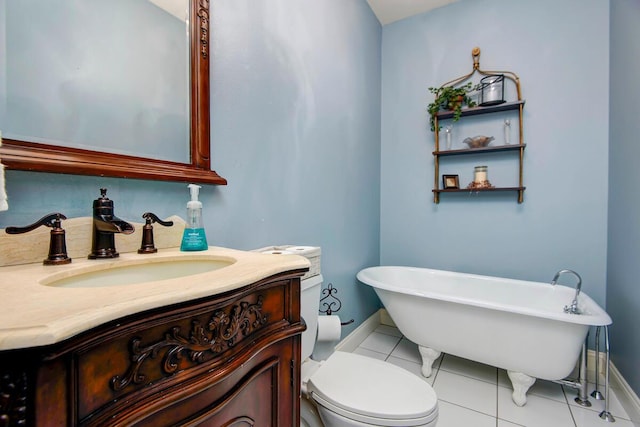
[(517, 105)]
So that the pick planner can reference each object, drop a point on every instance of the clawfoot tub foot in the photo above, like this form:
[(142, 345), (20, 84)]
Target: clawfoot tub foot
[(429, 356), (521, 384)]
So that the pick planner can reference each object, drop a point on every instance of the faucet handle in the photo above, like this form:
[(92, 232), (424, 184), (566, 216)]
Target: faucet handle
[(147, 246), (57, 243), (573, 308)]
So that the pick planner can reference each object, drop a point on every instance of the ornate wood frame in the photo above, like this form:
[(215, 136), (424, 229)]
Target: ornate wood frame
[(23, 155)]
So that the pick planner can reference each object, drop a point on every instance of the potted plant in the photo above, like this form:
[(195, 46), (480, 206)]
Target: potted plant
[(450, 98)]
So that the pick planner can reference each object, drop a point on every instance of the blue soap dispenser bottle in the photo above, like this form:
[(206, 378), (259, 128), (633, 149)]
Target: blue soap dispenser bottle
[(193, 238)]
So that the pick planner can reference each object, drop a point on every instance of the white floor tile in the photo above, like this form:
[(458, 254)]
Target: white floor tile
[(389, 330), (469, 368), (467, 392), (469, 397), (414, 368), (381, 343), (451, 415), (503, 423), (548, 389), (538, 411), (587, 418), (598, 405), (503, 378), (542, 388), (407, 350), (370, 353)]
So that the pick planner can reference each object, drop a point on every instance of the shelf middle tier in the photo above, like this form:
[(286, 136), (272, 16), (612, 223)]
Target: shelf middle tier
[(511, 147)]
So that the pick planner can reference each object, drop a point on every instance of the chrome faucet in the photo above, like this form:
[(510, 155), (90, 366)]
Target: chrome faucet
[(573, 308), (105, 225)]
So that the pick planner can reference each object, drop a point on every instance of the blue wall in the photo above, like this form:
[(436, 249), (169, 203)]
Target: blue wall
[(297, 124), (295, 130), (623, 292), (581, 205), (564, 75)]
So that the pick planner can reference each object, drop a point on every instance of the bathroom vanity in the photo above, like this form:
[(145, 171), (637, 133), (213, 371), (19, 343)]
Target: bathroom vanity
[(219, 348)]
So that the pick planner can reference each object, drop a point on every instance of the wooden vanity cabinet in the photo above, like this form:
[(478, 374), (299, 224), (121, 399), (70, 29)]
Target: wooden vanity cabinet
[(232, 359)]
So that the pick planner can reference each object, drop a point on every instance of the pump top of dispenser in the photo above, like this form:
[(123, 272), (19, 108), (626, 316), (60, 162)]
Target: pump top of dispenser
[(194, 203)]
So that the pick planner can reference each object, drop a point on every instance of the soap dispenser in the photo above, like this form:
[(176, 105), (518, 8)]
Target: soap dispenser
[(193, 238)]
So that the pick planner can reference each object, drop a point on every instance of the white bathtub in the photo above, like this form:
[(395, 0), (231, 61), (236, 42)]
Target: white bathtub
[(516, 325)]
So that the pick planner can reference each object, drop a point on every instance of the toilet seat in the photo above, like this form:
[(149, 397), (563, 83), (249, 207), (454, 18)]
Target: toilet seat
[(372, 391)]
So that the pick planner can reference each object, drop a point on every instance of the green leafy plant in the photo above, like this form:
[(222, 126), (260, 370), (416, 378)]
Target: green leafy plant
[(450, 98)]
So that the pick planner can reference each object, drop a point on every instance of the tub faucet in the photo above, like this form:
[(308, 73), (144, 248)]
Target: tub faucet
[(573, 307), (105, 225)]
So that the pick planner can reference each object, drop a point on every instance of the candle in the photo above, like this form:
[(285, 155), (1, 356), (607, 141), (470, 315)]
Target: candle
[(492, 89), (479, 174), (507, 131)]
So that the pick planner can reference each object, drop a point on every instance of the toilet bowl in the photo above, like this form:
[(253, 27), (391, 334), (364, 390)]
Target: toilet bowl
[(348, 389), (354, 390)]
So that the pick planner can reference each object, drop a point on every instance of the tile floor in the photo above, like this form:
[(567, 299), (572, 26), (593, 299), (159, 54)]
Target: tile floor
[(471, 394)]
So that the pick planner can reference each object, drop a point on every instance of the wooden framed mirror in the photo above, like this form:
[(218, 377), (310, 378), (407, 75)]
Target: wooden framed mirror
[(20, 154)]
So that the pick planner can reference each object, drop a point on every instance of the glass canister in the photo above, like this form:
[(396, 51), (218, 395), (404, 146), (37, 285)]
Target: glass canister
[(492, 90), (480, 174)]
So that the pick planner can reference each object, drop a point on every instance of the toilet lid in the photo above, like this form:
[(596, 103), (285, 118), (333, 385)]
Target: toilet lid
[(367, 390)]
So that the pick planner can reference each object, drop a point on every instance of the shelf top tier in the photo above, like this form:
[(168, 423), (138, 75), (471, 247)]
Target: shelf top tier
[(506, 106)]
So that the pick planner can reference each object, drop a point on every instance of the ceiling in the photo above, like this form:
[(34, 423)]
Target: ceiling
[(389, 11), (177, 8)]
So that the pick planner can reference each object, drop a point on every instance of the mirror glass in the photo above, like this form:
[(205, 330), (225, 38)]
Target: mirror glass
[(97, 86), (110, 75)]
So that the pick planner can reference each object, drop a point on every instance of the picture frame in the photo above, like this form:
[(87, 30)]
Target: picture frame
[(450, 182)]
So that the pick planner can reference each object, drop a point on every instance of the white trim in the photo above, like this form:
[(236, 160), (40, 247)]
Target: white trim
[(625, 394), (385, 319), (627, 397), (359, 334)]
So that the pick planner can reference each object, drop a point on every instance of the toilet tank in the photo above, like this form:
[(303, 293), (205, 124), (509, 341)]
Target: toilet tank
[(309, 305)]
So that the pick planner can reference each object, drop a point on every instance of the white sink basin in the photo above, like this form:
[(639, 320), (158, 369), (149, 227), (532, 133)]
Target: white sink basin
[(135, 272)]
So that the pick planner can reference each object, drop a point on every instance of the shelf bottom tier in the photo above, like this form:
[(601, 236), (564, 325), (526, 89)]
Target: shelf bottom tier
[(519, 190)]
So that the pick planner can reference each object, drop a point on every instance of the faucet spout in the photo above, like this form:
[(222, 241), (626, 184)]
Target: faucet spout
[(112, 224), (105, 225), (573, 307)]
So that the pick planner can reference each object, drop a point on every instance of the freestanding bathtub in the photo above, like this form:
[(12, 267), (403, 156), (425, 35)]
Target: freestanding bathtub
[(516, 325)]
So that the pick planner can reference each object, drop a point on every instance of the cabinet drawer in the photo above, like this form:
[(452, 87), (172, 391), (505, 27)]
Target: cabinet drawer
[(156, 350)]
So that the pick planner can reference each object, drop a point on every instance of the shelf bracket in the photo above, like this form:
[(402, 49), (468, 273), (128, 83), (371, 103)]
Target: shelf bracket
[(475, 54)]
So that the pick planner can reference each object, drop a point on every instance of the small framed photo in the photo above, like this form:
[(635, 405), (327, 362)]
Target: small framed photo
[(450, 182)]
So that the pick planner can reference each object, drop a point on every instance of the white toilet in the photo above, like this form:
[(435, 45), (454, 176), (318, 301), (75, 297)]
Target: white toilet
[(352, 390)]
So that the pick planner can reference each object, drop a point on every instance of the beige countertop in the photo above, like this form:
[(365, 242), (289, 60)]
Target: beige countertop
[(35, 314)]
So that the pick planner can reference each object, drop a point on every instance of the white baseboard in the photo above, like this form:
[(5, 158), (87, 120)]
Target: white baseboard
[(359, 334), (627, 397), (385, 319), (625, 394)]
